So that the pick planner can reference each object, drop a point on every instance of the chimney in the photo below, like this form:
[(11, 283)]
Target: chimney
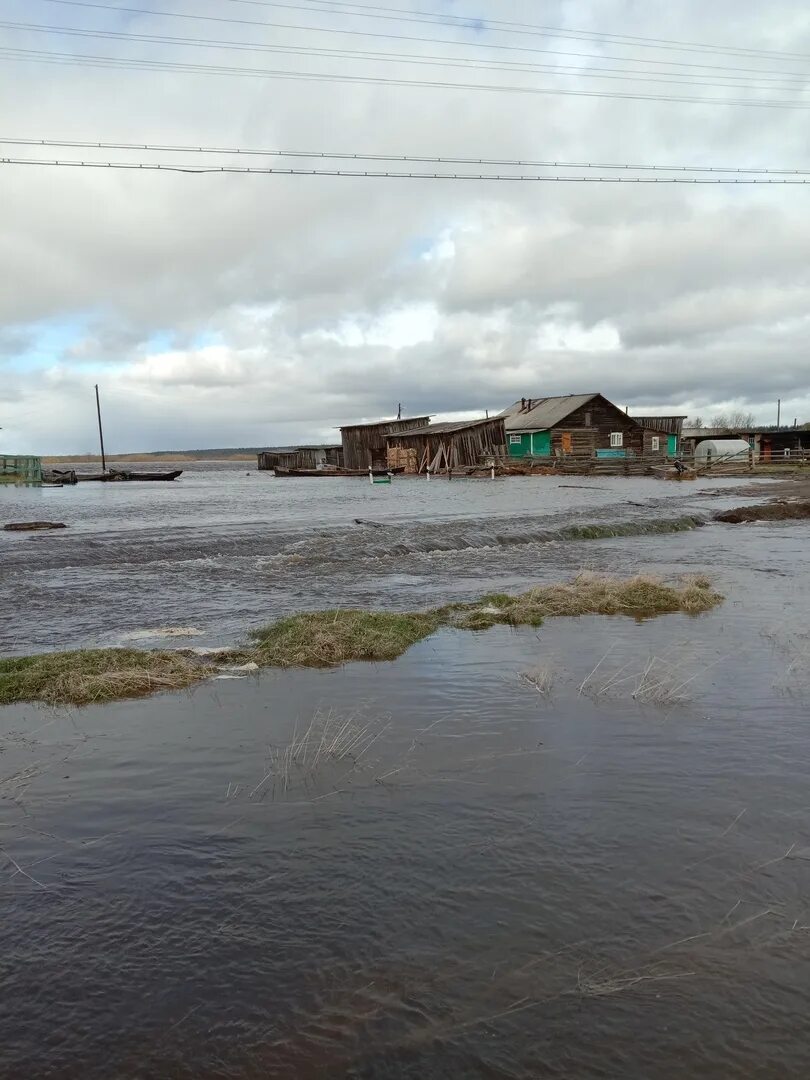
[(523, 404)]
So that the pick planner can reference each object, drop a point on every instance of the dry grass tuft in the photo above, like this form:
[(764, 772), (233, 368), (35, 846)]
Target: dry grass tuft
[(330, 739), (95, 675), (540, 679), (592, 594), (327, 638)]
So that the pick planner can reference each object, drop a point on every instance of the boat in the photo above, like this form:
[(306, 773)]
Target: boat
[(122, 475), (280, 471)]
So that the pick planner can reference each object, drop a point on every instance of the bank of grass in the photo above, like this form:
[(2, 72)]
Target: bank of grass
[(88, 676), (330, 638)]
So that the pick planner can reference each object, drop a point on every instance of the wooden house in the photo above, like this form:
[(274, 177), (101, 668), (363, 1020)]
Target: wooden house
[(301, 457), (366, 445), (441, 447), (668, 430), (583, 425)]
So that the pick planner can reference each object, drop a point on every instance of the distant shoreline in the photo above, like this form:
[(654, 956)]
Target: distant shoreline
[(158, 455)]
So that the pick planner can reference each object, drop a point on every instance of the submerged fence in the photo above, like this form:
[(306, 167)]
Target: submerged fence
[(20, 469)]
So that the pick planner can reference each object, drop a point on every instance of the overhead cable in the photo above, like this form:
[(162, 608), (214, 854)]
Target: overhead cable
[(421, 159), (194, 169)]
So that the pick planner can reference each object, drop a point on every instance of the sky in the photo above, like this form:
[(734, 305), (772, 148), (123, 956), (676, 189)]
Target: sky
[(224, 310)]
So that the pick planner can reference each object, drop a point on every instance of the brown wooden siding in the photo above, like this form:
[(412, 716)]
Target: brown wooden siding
[(367, 444), (439, 449), (591, 426)]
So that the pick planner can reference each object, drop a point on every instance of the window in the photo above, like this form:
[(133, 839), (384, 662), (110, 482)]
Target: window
[(616, 438), (588, 420), (655, 443), (515, 440)]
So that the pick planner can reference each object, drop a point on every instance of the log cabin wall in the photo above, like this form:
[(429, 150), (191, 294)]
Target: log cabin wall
[(589, 428)]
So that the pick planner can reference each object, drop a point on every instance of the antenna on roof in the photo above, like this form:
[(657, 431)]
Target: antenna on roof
[(399, 411)]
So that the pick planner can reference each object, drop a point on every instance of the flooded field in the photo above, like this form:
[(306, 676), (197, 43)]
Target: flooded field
[(578, 850)]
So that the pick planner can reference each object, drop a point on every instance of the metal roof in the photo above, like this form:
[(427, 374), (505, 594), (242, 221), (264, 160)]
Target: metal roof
[(671, 424), (444, 428), (384, 423), (545, 412)]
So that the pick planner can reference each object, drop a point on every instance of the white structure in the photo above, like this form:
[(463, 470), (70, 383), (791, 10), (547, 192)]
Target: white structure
[(716, 450)]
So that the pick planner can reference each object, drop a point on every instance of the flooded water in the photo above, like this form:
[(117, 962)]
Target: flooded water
[(225, 548), (608, 878)]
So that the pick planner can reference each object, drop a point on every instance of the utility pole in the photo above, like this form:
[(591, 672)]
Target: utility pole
[(100, 433), (399, 411), (778, 412)]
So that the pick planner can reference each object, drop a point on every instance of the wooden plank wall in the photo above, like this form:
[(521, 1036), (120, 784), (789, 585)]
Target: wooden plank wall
[(465, 448), (368, 444), (591, 426)]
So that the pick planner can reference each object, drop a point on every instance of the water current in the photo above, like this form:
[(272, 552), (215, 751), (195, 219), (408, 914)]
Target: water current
[(581, 850)]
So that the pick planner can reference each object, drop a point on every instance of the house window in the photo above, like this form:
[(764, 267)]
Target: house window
[(616, 438), (655, 443), (587, 419), (515, 440)]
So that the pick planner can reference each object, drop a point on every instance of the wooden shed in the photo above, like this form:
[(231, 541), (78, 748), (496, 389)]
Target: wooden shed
[(301, 457), (366, 445), (439, 447), (585, 425), (665, 433)]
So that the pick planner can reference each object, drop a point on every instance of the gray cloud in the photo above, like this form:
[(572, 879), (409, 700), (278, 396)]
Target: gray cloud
[(222, 310)]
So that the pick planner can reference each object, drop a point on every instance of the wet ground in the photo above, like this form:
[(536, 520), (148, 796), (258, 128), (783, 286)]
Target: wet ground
[(578, 851)]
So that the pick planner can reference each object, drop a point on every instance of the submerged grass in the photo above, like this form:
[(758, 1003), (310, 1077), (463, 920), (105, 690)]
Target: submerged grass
[(331, 638)]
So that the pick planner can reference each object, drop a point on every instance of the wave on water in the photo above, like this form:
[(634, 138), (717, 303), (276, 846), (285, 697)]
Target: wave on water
[(391, 542)]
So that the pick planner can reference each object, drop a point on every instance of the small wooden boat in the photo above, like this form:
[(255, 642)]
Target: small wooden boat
[(115, 476), (280, 471)]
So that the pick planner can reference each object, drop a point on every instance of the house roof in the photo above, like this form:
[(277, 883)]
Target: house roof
[(444, 428), (384, 423), (671, 424), (545, 412)]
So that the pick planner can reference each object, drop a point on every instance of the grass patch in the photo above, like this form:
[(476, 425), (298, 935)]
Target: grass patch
[(331, 638), (327, 638), (591, 594), (95, 675)]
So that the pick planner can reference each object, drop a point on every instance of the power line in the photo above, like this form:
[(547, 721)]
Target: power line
[(566, 71), (489, 46), (500, 26), (151, 166), (558, 32), (422, 159), (108, 62)]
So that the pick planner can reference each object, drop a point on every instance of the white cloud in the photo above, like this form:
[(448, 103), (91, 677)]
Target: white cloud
[(225, 310)]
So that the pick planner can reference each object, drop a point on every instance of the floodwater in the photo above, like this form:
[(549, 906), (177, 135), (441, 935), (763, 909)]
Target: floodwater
[(581, 850), (225, 547)]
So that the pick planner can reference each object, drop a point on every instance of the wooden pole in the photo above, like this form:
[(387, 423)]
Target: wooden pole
[(100, 433)]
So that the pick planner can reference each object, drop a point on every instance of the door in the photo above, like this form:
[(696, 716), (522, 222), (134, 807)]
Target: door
[(541, 443)]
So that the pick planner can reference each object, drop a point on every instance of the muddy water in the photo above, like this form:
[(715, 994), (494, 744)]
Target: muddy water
[(226, 547), (505, 883)]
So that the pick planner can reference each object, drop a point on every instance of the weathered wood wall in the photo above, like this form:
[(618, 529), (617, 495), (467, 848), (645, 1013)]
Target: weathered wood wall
[(442, 447), (367, 444)]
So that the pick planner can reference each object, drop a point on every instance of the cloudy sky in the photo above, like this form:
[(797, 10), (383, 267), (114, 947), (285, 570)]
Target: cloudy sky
[(241, 310)]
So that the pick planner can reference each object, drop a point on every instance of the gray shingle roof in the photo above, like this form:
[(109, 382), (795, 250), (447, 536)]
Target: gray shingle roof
[(444, 428), (545, 412)]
